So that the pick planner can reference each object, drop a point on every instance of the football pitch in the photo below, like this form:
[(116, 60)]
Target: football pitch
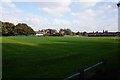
[(55, 57)]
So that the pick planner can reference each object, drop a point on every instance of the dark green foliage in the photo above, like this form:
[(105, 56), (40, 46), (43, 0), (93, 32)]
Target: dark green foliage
[(56, 34), (9, 29), (78, 33), (23, 29), (68, 31)]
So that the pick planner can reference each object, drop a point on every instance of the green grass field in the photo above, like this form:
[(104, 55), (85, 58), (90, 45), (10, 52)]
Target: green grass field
[(55, 57)]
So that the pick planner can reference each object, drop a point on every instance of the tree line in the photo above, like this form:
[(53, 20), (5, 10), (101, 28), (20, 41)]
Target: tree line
[(9, 29), (61, 32)]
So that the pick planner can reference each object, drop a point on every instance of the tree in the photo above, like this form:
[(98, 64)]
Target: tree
[(56, 34), (78, 33), (52, 31), (84, 33), (73, 33), (68, 31), (9, 29), (24, 29)]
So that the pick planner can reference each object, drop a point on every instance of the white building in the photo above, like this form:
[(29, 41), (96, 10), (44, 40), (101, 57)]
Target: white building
[(39, 34)]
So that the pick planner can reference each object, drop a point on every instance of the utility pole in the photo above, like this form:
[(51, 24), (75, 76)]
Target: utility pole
[(118, 4)]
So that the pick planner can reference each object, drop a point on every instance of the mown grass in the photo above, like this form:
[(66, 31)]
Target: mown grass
[(56, 57)]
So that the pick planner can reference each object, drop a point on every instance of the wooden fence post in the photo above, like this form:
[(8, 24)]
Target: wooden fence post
[(104, 65), (81, 76)]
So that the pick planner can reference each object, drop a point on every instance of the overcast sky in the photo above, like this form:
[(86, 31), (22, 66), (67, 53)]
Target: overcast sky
[(78, 15)]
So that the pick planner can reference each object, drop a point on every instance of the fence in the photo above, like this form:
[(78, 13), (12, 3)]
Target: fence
[(81, 71)]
